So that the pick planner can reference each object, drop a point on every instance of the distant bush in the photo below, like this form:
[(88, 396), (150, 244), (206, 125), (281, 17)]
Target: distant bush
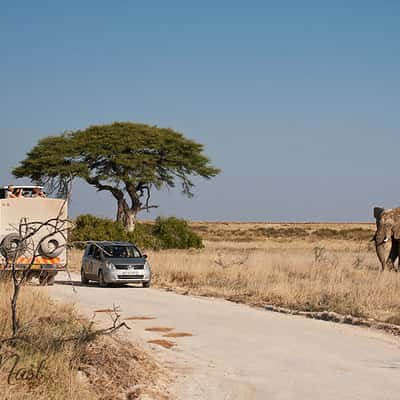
[(167, 233), (292, 232), (343, 234), (174, 233)]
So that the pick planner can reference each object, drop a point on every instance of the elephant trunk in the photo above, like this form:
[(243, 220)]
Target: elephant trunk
[(380, 252), (382, 239)]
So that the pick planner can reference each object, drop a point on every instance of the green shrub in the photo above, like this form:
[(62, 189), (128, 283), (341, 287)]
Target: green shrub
[(89, 227), (167, 233), (174, 233), (143, 237)]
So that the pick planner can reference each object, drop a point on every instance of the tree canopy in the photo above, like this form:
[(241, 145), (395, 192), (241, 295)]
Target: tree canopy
[(127, 159)]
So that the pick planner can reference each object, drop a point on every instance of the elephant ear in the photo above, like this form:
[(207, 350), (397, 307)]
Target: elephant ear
[(396, 224), (378, 212)]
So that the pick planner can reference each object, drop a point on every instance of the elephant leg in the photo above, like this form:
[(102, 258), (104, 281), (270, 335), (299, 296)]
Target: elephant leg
[(393, 255), (397, 244)]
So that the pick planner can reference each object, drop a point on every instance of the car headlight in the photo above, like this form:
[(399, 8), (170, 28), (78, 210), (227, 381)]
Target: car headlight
[(146, 265), (110, 266)]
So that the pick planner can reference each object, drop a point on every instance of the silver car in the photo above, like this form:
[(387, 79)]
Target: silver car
[(114, 262)]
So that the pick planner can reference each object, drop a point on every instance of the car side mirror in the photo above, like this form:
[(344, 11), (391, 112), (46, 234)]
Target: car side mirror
[(144, 255)]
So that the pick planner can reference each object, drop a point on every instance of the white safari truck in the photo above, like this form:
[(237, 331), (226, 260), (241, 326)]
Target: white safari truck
[(45, 252)]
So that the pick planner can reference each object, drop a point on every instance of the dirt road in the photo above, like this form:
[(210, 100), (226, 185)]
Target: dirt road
[(238, 352)]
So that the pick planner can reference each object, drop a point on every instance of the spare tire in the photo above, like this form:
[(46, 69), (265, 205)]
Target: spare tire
[(12, 246), (52, 246)]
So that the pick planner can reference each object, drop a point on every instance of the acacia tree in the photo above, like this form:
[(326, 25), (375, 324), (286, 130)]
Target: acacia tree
[(127, 159)]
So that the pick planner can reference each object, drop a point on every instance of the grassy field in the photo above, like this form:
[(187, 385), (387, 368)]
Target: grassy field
[(251, 231), (103, 368), (307, 267)]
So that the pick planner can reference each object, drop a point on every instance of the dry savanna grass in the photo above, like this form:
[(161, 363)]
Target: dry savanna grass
[(103, 368), (259, 231), (328, 271)]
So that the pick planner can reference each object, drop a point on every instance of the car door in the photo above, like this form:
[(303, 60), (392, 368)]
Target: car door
[(88, 267), (96, 261), (84, 265)]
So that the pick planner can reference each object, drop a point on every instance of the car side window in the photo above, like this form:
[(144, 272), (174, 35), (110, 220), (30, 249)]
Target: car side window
[(97, 253), (90, 251)]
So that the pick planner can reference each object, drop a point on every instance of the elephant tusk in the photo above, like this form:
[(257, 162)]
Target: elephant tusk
[(385, 240)]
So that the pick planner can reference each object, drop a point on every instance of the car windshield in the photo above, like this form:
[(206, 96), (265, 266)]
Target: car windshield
[(121, 252)]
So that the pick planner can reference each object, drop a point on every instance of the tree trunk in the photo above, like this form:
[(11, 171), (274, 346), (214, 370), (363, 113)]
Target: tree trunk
[(120, 210), (130, 220), (126, 215)]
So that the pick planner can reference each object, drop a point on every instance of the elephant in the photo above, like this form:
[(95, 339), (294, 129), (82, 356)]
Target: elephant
[(387, 233)]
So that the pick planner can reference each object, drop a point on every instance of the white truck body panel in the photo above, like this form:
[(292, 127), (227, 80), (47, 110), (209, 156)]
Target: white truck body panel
[(13, 210)]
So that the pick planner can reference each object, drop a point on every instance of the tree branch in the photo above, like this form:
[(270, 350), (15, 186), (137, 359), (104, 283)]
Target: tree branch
[(117, 193), (148, 207)]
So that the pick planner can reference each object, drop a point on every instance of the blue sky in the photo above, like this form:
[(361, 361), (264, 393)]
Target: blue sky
[(297, 102)]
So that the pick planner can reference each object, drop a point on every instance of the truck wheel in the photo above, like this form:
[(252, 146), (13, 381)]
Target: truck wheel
[(84, 280), (47, 278), (146, 284), (102, 282), (51, 279)]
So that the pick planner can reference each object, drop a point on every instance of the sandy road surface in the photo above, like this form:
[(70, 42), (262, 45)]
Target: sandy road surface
[(238, 352)]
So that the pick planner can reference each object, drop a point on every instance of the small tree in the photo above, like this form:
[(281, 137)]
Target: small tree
[(129, 160)]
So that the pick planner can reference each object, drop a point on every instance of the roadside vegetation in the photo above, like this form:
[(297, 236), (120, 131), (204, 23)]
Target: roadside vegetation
[(165, 233), (59, 359)]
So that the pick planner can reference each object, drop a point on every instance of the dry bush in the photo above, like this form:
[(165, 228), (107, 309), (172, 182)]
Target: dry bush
[(43, 321), (104, 368), (116, 369)]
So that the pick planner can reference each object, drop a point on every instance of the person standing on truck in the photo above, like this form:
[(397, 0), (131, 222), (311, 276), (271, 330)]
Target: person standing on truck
[(18, 194), (37, 192), (10, 192), (15, 193)]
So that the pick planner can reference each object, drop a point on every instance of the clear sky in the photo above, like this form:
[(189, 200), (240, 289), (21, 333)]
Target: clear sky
[(297, 101)]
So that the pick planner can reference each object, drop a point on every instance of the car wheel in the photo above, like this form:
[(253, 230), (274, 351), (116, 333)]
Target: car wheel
[(102, 282), (146, 284), (84, 280)]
